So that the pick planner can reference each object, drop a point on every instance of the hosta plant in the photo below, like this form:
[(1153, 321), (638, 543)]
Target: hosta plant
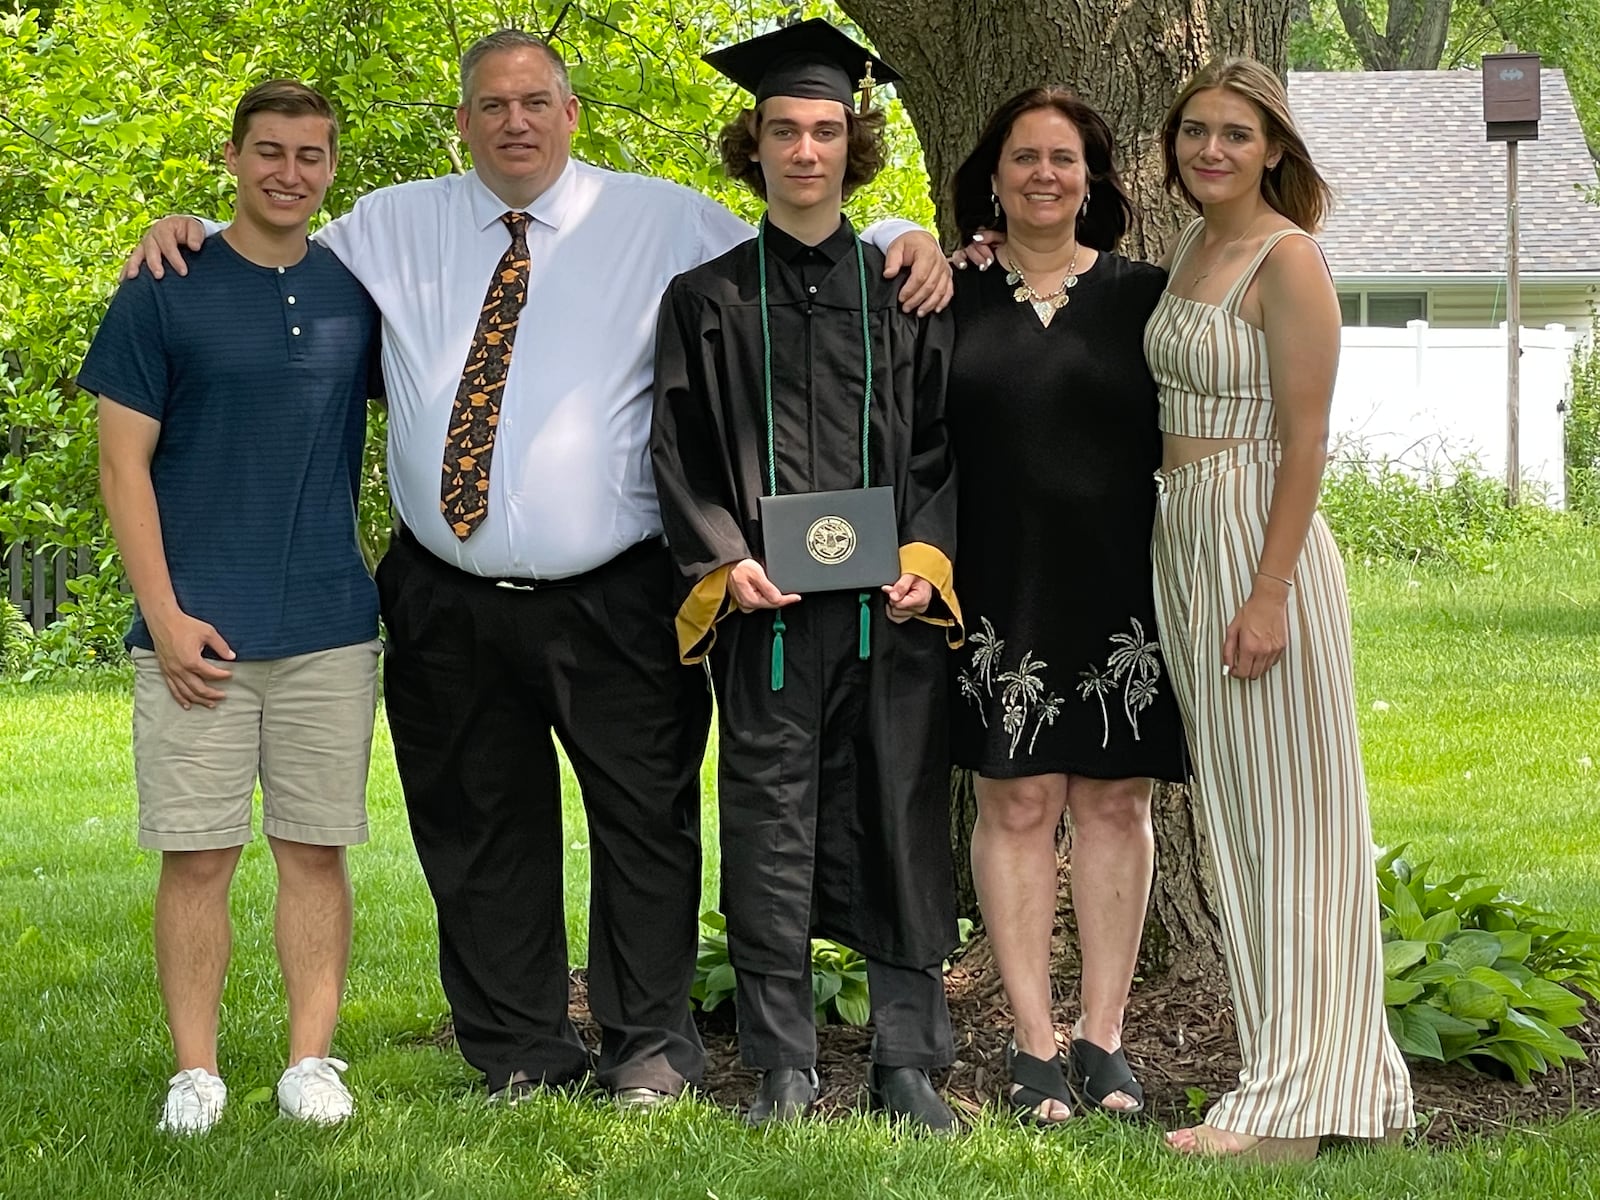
[(1475, 977)]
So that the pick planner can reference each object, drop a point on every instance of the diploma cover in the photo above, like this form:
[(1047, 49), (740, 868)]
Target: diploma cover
[(831, 541)]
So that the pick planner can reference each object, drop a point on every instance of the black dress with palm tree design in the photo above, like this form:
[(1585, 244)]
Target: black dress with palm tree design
[(1056, 447)]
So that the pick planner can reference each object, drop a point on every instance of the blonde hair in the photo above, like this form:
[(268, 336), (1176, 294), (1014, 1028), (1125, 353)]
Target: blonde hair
[(1293, 186)]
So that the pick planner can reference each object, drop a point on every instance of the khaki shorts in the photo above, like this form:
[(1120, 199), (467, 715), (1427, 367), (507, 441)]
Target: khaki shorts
[(302, 724)]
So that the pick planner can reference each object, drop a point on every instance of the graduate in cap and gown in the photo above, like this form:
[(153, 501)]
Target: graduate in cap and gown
[(786, 368)]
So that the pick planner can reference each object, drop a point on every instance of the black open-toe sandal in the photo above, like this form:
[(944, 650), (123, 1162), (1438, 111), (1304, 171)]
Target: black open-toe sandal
[(1037, 1080), (1093, 1074)]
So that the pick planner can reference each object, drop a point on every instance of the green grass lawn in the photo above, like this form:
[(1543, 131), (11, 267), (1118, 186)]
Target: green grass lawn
[(1480, 754)]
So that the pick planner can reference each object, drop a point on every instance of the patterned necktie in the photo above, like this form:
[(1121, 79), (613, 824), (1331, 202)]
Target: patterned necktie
[(469, 443)]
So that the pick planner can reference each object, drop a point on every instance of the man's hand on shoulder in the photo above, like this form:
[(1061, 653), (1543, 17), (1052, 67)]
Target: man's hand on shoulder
[(928, 286), (180, 642), (163, 244)]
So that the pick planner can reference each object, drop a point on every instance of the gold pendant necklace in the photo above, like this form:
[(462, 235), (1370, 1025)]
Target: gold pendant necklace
[(1046, 306)]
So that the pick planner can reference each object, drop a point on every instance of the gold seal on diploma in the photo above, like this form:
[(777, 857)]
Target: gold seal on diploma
[(830, 540)]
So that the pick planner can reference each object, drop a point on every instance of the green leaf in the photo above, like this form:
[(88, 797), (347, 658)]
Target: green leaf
[(824, 987), (1559, 1006), (1442, 971), (1400, 954), (1515, 944), (1471, 1000), (1407, 916), (1473, 948), (1439, 926), (1495, 981), (853, 1006), (721, 978), (1400, 991), (258, 1095), (1415, 1036), (1444, 1024)]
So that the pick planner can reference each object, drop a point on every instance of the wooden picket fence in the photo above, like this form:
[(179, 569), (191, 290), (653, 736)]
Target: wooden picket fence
[(36, 578)]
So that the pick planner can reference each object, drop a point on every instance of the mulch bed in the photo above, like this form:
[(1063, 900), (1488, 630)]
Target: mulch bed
[(1179, 1035)]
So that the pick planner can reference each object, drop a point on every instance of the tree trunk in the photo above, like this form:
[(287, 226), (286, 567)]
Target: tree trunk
[(1413, 36), (1128, 58), (962, 58)]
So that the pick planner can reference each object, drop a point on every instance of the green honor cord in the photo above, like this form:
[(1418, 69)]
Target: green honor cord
[(865, 598)]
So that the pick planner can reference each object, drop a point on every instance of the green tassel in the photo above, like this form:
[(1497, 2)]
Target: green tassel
[(866, 626), (777, 652)]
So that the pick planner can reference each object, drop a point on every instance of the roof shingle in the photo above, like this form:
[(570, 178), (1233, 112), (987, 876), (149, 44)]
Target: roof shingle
[(1419, 190)]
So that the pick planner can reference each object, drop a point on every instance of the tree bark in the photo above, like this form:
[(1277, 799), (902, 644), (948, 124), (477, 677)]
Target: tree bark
[(1128, 58), (962, 58)]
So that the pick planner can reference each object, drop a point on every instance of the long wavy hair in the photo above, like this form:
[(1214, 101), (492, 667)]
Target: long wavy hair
[(1293, 185)]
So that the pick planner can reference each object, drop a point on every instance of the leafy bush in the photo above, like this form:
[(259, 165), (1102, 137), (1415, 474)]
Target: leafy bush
[(838, 975), (1583, 430), (1477, 978), (16, 639), (1379, 510)]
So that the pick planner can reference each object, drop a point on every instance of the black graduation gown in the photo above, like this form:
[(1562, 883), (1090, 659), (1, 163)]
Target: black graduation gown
[(833, 790)]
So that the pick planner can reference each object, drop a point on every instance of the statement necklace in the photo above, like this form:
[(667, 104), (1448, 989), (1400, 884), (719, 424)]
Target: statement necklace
[(1044, 307)]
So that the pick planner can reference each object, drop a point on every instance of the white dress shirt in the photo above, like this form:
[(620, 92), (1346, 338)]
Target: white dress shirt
[(570, 484)]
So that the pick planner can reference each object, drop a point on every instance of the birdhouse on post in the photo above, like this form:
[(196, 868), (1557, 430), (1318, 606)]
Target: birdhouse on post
[(1511, 115), (1511, 96)]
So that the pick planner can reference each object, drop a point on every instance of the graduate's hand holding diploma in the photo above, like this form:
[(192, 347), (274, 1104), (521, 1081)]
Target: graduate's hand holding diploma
[(909, 596), (751, 589)]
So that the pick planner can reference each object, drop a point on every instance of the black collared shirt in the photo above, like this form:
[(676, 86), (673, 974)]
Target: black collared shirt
[(811, 263)]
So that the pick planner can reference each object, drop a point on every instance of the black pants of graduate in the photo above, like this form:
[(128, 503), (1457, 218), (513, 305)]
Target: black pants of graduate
[(476, 679), (910, 1020)]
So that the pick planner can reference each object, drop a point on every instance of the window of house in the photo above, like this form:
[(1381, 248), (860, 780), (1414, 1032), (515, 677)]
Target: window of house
[(1391, 310), (1385, 310)]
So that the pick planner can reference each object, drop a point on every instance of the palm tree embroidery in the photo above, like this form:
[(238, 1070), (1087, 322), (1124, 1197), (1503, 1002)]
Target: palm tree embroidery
[(986, 651), (1049, 710), (1023, 688), (1025, 699), (1134, 664), (1097, 685)]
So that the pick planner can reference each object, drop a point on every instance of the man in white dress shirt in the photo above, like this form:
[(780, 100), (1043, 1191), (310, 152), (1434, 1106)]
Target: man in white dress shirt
[(546, 605)]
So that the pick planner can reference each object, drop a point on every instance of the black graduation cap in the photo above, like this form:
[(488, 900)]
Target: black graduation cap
[(812, 60)]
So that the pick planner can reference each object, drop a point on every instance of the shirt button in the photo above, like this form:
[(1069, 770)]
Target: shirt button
[(812, 289), (295, 331), (291, 299)]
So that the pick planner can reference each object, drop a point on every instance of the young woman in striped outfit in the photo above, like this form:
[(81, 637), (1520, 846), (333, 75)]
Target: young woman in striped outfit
[(1250, 598)]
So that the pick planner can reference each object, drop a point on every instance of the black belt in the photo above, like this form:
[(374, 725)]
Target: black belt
[(639, 550)]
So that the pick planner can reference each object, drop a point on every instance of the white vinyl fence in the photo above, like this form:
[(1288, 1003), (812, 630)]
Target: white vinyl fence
[(1432, 398)]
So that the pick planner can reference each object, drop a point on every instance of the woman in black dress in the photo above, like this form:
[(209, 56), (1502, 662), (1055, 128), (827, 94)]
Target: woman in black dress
[(1063, 699)]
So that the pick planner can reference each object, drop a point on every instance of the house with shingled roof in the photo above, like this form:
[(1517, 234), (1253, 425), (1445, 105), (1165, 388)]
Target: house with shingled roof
[(1418, 230)]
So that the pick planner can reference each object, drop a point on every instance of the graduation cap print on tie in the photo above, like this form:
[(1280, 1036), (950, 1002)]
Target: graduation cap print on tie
[(469, 442), (811, 60)]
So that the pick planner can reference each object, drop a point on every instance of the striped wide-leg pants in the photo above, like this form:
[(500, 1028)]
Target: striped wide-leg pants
[(1280, 796)]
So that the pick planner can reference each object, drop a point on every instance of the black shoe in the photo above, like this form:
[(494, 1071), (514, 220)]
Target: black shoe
[(521, 1086), (906, 1093), (785, 1094)]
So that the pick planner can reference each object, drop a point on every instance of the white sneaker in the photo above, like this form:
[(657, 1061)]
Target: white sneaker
[(311, 1090), (195, 1099)]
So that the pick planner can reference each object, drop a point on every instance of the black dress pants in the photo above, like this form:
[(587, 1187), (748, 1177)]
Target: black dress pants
[(910, 1019), (476, 678)]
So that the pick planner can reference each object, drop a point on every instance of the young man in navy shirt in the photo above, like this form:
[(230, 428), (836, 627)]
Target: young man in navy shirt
[(232, 412)]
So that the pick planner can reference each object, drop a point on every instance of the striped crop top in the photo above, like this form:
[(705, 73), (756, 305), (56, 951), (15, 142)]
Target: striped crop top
[(1209, 363)]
